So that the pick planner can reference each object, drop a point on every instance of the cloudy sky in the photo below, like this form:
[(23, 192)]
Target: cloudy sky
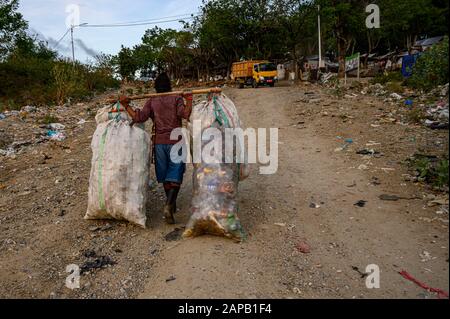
[(48, 19)]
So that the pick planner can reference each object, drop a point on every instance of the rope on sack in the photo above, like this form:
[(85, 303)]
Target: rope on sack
[(117, 117), (101, 195), (220, 115)]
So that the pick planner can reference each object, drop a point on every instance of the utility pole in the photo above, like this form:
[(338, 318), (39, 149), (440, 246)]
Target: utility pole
[(320, 40), (71, 34), (73, 48)]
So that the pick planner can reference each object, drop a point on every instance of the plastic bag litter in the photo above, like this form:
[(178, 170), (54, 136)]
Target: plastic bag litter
[(214, 206), (119, 174)]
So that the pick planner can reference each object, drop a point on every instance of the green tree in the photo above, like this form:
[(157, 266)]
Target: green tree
[(127, 63), (431, 68), (12, 26)]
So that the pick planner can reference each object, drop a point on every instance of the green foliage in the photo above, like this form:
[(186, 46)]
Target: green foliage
[(415, 115), (384, 78), (68, 81), (127, 63), (49, 119), (441, 173), (26, 78), (434, 172), (431, 68), (12, 26), (229, 30), (32, 73), (394, 87)]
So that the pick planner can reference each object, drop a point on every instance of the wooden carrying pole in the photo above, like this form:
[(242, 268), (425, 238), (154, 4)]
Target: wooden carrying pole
[(150, 95)]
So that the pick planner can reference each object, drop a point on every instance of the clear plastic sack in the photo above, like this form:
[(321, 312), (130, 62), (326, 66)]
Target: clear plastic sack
[(214, 206)]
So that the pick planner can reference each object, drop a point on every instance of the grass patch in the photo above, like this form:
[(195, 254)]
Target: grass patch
[(49, 119), (384, 78), (394, 87), (430, 170), (415, 115)]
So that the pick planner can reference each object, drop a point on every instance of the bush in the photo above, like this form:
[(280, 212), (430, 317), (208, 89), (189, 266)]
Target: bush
[(431, 171), (415, 115), (431, 69), (384, 78), (33, 74), (49, 119), (394, 87)]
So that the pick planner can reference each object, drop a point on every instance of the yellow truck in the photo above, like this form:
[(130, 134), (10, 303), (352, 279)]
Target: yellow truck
[(254, 73)]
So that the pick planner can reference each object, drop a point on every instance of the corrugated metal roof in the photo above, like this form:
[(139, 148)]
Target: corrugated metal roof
[(429, 41)]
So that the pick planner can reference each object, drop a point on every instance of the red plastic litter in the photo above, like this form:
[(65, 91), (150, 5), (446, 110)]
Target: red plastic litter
[(303, 247), (441, 293)]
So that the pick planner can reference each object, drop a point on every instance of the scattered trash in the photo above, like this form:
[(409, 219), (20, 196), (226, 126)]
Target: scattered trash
[(441, 293), (56, 127), (303, 247), (437, 202), (437, 116), (426, 256), (347, 143), (372, 143), (327, 76), (363, 167), (363, 275), (90, 253), (394, 198), (296, 290), (360, 203), (2, 116), (171, 278), (98, 263), (29, 109), (81, 122), (100, 228), (376, 89), (314, 205), (8, 152), (434, 125), (55, 132), (409, 102), (367, 151), (174, 235), (396, 96), (56, 136), (375, 181)]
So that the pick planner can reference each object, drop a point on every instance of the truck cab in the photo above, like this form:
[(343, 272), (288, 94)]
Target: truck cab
[(265, 73), (255, 73)]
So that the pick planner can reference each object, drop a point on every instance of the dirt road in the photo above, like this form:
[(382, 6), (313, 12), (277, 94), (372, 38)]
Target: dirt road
[(310, 201)]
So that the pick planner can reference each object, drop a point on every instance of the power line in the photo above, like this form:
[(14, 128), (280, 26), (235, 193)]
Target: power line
[(62, 38), (157, 19), (134, 24), (186, 16)]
